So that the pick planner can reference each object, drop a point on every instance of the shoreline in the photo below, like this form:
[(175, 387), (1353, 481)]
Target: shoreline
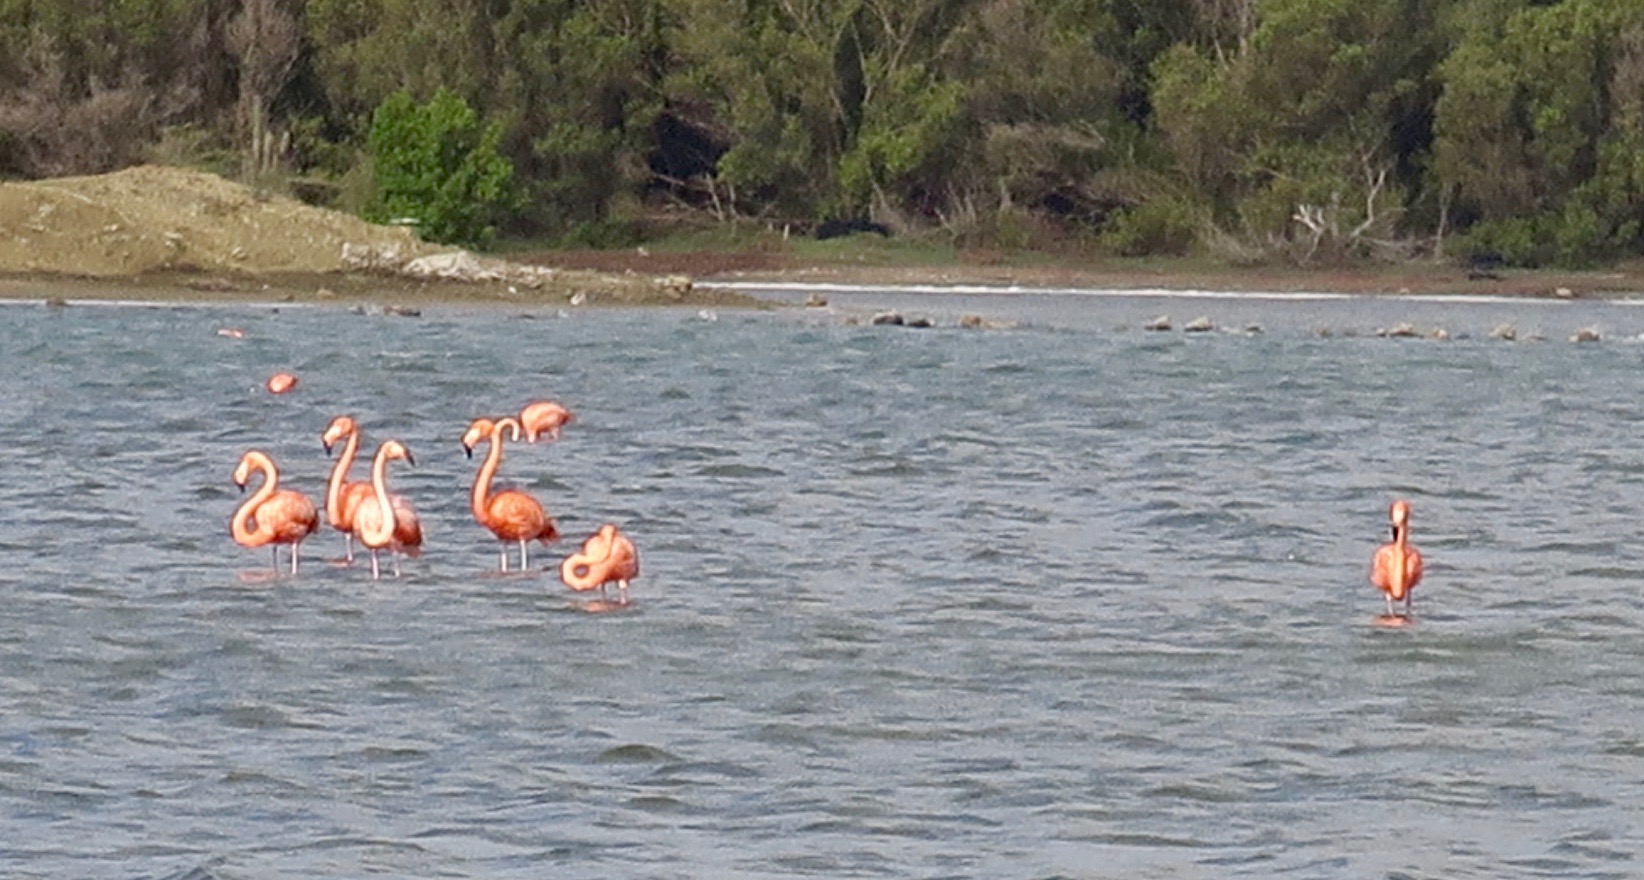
[(624, 279), (344, 289)]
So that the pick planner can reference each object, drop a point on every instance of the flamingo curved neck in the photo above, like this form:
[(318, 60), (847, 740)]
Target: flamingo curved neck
[(488, 470), (339, 475), (378, 533), (482, 480), (271, 484), (593, 564)]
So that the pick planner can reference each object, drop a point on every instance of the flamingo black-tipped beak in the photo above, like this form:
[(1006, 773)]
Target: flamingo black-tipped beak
[(468, 450), (327, 445), (409, 460)]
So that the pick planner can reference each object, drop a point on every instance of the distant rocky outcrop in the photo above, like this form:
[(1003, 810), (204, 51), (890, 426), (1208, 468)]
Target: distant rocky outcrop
[(154, 219)]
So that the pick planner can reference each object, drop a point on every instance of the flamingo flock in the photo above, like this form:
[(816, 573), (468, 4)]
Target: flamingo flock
[(383, 521)]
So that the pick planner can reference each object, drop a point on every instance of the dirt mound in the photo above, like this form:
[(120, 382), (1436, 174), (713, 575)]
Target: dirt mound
[(158, 219)]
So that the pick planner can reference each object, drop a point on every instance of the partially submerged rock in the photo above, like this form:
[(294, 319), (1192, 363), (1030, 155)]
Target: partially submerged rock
[(675, 287), (1199, 325), (1586, 334), (1160, 323), (1504, 332), (977, 322)]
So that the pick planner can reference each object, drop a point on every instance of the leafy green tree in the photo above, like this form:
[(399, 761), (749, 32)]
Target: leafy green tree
[(762, 75), (1310, 140), (1539, 129), (1044, 110), (578, 84), (87, 86), (829, 107), (437, 163)]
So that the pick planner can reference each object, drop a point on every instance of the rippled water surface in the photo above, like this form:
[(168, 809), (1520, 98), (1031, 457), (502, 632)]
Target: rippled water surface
[(1065, 599)]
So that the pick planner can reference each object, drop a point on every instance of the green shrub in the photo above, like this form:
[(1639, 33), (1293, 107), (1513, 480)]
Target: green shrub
[(1165, 227), (1521, 241), (438, 165)]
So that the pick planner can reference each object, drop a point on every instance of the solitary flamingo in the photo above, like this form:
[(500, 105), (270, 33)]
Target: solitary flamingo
[(1396, 567), (343, 496), (544, 417), (384, 520), (511, 515), (607, 557), (281, 516)]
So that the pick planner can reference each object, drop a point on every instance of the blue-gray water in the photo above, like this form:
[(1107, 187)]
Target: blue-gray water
[(1060, 600)]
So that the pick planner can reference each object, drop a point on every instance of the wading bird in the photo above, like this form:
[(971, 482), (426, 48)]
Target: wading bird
[(511, 515), (342, 495), (607, 557), (543, 417), (1396, 567), (272, 515), (386, 521)]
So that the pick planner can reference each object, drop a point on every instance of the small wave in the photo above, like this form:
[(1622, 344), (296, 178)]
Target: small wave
[(635, 753)]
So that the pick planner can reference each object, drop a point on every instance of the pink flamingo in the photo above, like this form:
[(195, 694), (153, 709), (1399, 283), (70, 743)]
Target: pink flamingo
[(343, 496), (1396, 567), (280, 516), (388, 521), (281, 383), (544, 417), (511, 515), (607, 557)]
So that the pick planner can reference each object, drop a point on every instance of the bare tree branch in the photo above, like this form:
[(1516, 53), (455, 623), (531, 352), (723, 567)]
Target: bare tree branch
[(266, 39)]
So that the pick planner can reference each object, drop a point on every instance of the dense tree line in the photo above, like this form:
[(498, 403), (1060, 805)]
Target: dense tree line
[(1306, 130)]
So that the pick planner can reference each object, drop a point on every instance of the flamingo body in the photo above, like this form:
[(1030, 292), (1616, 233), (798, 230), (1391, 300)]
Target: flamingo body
[(513, 515), (607, 557), (544, 417)]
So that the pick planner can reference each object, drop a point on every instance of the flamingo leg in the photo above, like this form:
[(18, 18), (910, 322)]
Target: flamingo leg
[(275, 548), (1389, 606), (502, 555), (294, 557), (348, 547), (1409, 599), (622, 592), (523, 564), (395, 557), (374, 573)]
